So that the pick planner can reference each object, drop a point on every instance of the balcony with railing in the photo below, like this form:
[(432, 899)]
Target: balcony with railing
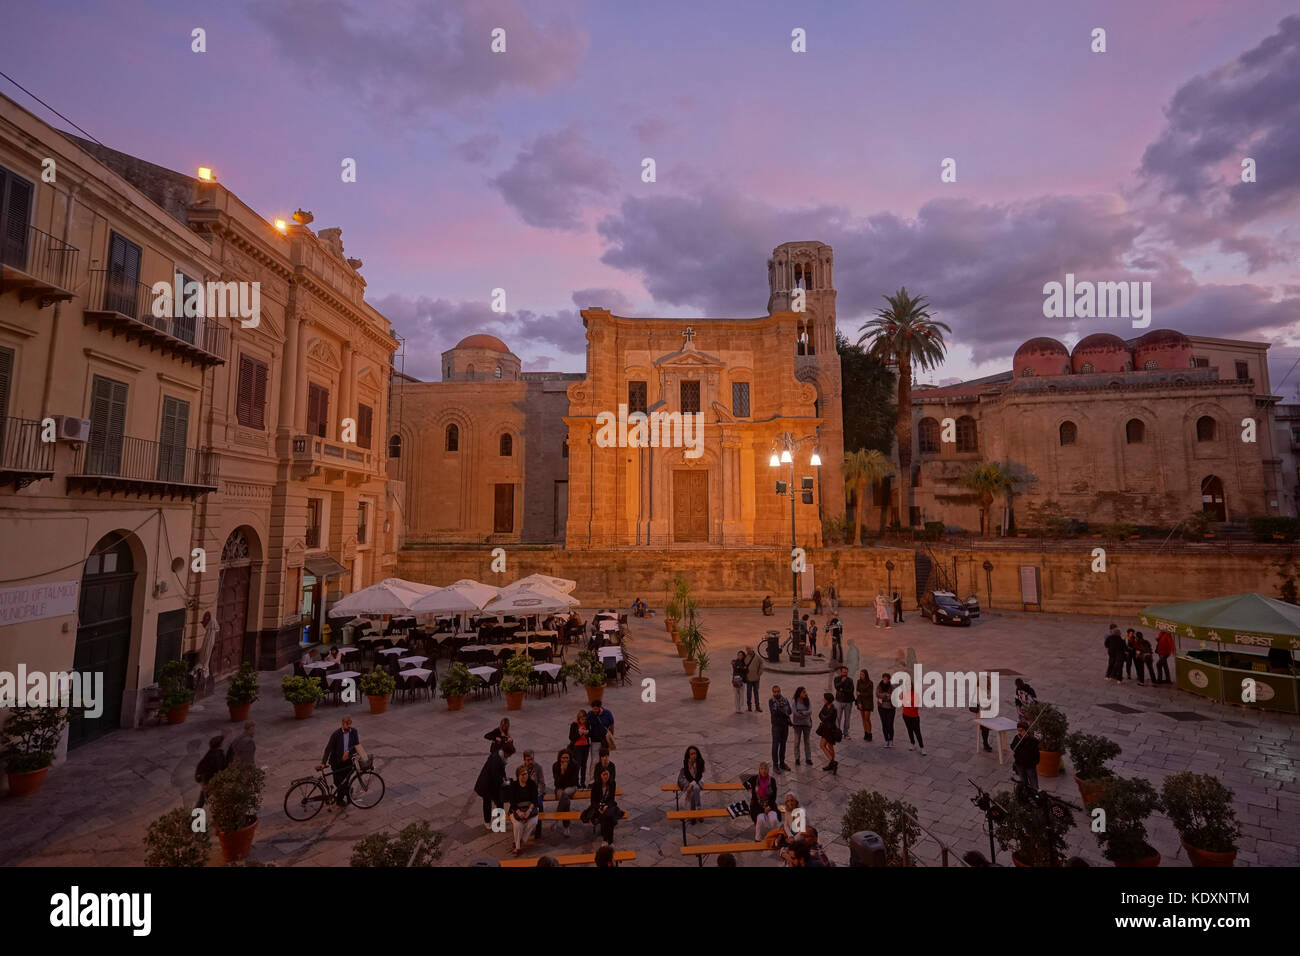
[(140, 467), (121, 305), (24, 458), (332, 459), (37, 266)]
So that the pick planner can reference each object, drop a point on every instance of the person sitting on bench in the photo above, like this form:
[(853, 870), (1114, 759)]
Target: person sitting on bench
[(603, 809), (639, 608)]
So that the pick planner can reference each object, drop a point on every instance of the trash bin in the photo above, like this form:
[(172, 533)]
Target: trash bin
[(866, 849), (772, 646)]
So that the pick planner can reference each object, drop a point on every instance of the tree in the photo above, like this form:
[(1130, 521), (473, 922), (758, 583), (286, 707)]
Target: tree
[(905, 333), (988, 480), (862, 469), (867, 394)]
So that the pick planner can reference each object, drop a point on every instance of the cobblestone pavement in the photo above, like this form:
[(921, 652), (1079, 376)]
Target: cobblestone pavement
[(95, 807)]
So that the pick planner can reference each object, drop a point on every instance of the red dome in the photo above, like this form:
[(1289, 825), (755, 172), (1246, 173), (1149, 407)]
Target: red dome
[(1041, 356), (1101, 352), (482, 340), (1162, 349)]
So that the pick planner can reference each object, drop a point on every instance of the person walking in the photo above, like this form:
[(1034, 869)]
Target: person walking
[(834, 597), (912, 720), (1144, 658), (243, 748), (898, 608), (882, 609), (213, 762), (580, 744), (1024, 748), (565, 772), (866, 699), (1164, 648), (521, 803), (780, 711), (690, 779), (801, 720), (601, 722), (753, 671), (817, 600), (835, 627), (738, 668), (338, 755), (828, 731), (885, 704), (1114, 655), (491, 781), (845, 697)]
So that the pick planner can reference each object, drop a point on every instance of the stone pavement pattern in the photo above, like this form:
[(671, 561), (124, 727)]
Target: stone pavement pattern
[(95, 807)]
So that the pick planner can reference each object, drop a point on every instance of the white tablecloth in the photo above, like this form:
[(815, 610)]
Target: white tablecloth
[(483, 672), (552, 669), (317, 666), (390, 651), (417, 659), (416, 672), (614, 652), (341, 675), (609, 625)]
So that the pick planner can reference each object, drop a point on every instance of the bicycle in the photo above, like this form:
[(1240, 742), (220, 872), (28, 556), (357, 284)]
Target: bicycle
[(783, 647), (307, 795)]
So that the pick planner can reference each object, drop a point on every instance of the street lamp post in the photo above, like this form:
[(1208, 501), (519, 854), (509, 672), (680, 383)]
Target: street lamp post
[(988, 582), (788, 444), (889, 567)]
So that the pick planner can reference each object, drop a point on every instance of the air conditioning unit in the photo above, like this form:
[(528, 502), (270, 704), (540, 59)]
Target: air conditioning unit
[(72, 429)]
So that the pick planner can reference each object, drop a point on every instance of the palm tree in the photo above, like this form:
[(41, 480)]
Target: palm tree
[(905, 333), (988, 480), (862, 469)]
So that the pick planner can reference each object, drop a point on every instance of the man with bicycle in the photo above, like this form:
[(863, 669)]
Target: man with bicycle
[(338, 754)]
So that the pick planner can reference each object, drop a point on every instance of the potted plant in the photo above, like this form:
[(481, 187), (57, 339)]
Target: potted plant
[(417, 844), (1200, 808), (588, 671), (302, 692), (234, 800), (243, 690), (1034, 834), (1051, 727), (700, 683), (176, 695), (691, 641), (1088, 754), (378, 686), (172, 840), (514, 683), (894, 821), (1127, 802), (31, 736), (456, 685)]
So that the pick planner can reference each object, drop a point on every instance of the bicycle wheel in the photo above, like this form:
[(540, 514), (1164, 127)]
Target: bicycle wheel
[(367, 790), (304, 800)]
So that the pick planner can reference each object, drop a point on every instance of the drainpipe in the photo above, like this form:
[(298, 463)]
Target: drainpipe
[(58, 307), (591, 486)]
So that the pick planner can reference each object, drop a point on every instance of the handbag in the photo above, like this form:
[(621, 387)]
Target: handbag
[(609, 740)]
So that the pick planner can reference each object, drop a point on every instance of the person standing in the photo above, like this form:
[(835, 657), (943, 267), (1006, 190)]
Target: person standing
[(753, 671), (834, 597), (338, 755), (1130, 653), (1024, 696), (213, 762), (1114, 655), (828, 731), (817, 600), (844, 700), (1143, 657), (565, 772), (499, 734), (538, 776), (243, 748), (601, 723), (1024, 748), (580, 744), (1164, 648), (738, 668), (885, 704), (898, 607), (836, 629), (521, 803), (690, 779), (492, 780), (912, 720), (853, 658), (866, 694), (882, 608), (801, 720), (780, 711)]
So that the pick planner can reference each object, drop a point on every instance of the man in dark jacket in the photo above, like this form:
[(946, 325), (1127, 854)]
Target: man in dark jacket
[(338, 755), (213, 762), (600, 722), (780, 710), (1115, 650), (492, 781), (844, 698), (1025, 750)]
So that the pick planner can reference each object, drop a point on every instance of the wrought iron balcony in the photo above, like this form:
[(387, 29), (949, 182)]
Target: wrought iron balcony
[(138, 466), (37, 266), (314, 455), (119, 304), (24, 458)]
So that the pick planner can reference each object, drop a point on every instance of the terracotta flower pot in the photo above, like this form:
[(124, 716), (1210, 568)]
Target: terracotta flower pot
[(303, 711), (681, 651), (177, 715), (455, 702), (378, 703), (595, 693), (1151, 859), (26, 782), (1049, 763), (1090, 790), (1197, 857), (239, 711), (515, 701), (700, 687), (688, 665), (236, 845)]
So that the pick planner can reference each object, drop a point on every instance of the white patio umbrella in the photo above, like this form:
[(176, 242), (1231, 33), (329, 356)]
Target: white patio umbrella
[(389, 596), (524, 599), (465, 596), (563, 585)]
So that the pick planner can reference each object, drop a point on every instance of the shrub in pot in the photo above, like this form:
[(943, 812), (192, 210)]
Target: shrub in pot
[(1051, 727), (1127, 802), (456, 684), (176, 694), (518, 674), (418, 844), (242, 691), (234, 800), (171, 841), (378, 686), (1200, 808), (1034, 834), (700, 683), (1088, 754), (894, 821), (27, 745), (588, 671), (303, 693)]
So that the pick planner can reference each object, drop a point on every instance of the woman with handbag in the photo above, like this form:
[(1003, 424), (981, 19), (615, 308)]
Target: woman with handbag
[(828, 731), (580, 745), (801, 721), (762, 803)]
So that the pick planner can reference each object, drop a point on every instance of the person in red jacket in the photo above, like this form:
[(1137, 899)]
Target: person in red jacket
[(912, 719), (1164, 648)]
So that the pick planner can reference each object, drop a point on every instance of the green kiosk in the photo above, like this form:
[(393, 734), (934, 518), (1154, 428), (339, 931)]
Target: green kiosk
[(1238, 650)]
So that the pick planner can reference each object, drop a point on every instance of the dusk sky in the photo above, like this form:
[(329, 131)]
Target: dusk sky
[(522, 170)]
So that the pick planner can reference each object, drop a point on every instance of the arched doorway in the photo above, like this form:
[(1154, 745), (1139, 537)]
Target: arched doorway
[(232, 604), (1212, 502), (104, 632)]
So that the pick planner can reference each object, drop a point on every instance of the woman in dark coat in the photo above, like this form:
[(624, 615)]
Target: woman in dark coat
[(762, 802), (522, 799), (604, 808), (866, 702), (828, 731), (690, 779), (580, 745), (492, 780), (499, 734)]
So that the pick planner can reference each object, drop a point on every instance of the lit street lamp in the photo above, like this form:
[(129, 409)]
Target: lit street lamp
[(788, 444)]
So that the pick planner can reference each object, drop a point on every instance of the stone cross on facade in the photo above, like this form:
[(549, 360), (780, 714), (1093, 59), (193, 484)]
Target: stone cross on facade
[(689, 335)]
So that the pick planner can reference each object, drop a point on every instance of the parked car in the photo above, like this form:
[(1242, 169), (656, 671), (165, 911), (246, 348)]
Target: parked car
[(973, 606), (944, 607)]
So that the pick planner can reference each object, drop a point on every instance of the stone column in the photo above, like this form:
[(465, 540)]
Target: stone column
[(346, 389), (289, 371), (300, 379)]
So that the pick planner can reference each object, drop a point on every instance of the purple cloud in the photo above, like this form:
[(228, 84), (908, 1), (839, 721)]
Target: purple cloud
[(478, 148), (551, 179), (603, 298)]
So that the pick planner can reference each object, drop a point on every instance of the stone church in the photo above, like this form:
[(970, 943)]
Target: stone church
[(496, 455)]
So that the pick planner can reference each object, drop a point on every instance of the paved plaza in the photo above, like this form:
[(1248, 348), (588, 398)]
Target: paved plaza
[(95, 807)]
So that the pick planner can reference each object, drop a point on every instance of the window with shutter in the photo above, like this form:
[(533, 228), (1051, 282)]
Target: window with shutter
[(318, 406), (6, 376), (171, 440), (250, 402), (365, 418), (183, 326), (107, 426), (636, 397), (122, 287), (15, 211), (690, 392), (740, 399)]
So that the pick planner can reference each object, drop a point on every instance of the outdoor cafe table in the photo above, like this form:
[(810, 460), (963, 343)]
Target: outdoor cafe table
[(317, 666), (608, 625), (483, 672), (614, 652), (345, 651), (471, 648), (413, 659), (420, 672), (552, 669), (341, 676), (390, 651), (999, 724), (376, 638)]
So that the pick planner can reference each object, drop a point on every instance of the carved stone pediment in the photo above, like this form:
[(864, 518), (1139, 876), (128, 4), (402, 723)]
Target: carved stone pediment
[(689, 359), (369, 378), (724, 414), (322, 351)]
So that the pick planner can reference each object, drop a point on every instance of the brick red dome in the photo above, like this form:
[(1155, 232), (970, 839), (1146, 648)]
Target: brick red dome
[(482, 340), (1041, 356), (1101, 352), (1162, 349)]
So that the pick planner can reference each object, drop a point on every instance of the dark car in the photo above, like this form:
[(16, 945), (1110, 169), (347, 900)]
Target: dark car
[(973, 605), (944, 607)]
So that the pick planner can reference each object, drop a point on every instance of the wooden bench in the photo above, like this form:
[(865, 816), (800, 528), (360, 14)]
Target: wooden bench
[(572, 859), (704, 849), (579, 795), (570, 815), (676, 791), (684, 815)]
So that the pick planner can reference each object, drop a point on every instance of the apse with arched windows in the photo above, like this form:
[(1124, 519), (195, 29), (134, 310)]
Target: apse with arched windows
[(451, 440), (805, 343), (1135, 431), (1069, 433), (507, 445), (1206, 429)]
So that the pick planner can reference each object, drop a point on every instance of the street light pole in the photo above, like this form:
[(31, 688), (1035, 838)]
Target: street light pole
[(788, 443)]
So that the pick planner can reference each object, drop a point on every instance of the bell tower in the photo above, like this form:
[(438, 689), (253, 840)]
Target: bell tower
[(807, 267)]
